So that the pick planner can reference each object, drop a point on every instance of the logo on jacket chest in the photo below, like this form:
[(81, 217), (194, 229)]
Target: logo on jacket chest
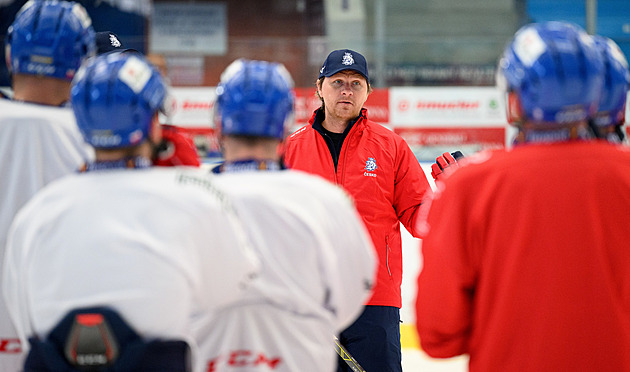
[(370, 166)]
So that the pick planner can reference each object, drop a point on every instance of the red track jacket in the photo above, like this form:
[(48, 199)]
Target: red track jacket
[(379, 170)]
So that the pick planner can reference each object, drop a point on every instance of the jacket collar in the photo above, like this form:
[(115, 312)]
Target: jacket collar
[(318, 118)]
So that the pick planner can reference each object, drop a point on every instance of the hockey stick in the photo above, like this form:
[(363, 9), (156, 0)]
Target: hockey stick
[(345, 355)]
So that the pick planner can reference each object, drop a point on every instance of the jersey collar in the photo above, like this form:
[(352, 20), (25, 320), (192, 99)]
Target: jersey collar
[(138, 162), (248, 166)]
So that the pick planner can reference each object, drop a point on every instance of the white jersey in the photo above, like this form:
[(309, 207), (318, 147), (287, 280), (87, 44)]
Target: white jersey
[(161, 246), (38, 144), (318, 266)]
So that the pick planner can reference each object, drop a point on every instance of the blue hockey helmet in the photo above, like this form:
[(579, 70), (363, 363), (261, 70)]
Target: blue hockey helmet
[(115, 97), (50, 38), (254, 98), (611, 110), (552, 73)]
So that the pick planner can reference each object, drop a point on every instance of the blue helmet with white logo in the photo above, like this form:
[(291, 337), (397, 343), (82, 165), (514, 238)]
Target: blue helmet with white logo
[(554, 73), (254, 98), (50, 38), (611, 110), (115, 98)]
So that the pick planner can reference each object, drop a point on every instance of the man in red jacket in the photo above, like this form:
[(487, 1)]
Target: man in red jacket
[(379, 170), (531, 271)]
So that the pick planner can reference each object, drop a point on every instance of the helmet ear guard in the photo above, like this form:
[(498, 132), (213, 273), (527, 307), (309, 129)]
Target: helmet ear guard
[(514, 108), (7, 54), (611, 111)]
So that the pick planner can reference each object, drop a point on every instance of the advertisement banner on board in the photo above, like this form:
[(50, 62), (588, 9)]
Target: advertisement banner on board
[(192, 107), (446, 107)]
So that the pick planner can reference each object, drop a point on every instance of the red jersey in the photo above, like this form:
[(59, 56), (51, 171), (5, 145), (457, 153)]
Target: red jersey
[(527, 263), (379, 170)]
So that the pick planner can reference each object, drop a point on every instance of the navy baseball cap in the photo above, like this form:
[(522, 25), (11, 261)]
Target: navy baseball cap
[(344, 59), (107, 41)]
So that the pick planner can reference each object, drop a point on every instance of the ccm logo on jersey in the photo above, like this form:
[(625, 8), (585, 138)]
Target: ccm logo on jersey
[(10, 345), (243, 358)]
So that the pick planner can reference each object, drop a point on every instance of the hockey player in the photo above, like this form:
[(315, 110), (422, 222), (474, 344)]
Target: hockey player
[(610, 118), (109, 269), (174, 149), (39, 140), (530, 272), (317, 259)]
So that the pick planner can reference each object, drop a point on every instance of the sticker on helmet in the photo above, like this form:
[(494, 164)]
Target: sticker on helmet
[(528, 46), (135, 74)]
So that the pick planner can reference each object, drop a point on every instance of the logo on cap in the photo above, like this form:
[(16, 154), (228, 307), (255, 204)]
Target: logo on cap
[(347, 59), (114, 41)]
